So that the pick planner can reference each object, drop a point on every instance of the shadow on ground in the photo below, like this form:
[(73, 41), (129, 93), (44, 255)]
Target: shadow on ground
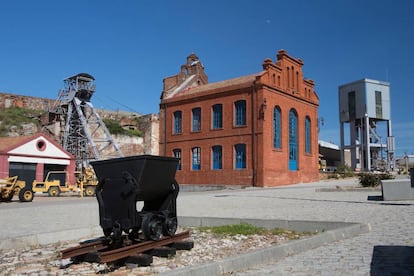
[(392, 260)]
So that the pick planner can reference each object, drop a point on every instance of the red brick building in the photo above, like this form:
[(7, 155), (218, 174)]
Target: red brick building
[(255, 130)]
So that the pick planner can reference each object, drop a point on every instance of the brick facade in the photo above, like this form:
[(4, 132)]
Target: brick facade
[(280, 84)]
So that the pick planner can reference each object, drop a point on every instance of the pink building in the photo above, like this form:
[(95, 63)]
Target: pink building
[(31, 157)]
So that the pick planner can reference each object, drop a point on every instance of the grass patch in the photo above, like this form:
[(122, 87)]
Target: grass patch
[(248, 229)]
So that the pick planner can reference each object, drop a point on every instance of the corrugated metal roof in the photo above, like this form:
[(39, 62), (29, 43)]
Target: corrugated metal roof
[(328, 145)]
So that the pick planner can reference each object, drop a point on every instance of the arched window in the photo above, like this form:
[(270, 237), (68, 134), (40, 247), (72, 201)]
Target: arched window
[(240, 113), (196, 119), (276, 127), (307, 135), (217, 118), (216, 157), (177, 154), (240, 156), (177, 122), (293, 140), (196, 158)]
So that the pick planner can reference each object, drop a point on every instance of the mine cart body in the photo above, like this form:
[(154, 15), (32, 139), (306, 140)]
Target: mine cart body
[(123, 182)]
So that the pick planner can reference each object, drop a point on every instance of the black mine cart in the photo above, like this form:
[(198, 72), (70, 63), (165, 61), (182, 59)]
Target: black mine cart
[(123, 182)]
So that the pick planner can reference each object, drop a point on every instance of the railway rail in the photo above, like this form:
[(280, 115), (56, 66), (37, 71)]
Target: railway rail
[(101, 250)]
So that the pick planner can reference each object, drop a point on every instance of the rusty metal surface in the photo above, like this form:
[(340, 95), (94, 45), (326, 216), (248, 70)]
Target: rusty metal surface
[(99, 251), (83, 249)]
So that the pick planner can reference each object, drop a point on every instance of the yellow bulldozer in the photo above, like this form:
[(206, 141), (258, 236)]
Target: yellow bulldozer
[(11, 186), (56, 182)]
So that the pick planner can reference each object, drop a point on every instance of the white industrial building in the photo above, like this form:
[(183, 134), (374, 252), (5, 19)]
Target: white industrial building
[(365, 107)]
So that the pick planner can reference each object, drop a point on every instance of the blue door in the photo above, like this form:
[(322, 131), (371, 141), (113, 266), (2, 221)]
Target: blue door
[(293, 140)]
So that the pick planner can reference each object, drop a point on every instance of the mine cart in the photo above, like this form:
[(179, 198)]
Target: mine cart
[(123, 182)]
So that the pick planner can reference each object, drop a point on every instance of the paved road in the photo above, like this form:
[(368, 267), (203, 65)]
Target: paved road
[(47, 214), (388, 248)]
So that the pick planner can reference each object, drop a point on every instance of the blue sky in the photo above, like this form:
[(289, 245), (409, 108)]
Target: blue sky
[(129, 46)]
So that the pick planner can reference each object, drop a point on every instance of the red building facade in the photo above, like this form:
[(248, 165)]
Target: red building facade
[(255, 130), (32, 157)]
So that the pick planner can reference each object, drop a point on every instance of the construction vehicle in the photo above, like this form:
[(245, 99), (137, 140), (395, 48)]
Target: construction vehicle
[(10, 187), (56, 182), (322, 164)]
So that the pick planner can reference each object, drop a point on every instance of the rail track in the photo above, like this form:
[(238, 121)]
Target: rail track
[(139, 252)]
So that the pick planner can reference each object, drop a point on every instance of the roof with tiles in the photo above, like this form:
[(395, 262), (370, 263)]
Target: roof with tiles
[(9, 142), (244, 81)]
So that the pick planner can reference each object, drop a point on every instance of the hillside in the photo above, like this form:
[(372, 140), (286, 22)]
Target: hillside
[(15, 121), (133, 134)]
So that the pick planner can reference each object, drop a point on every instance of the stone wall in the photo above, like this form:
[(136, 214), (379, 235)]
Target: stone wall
[(11, 100)]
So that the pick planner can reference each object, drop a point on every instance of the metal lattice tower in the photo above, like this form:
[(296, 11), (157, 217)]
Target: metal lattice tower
[(85, 134)]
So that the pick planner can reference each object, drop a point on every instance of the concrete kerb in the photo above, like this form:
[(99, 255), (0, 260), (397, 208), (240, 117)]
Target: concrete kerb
[(328, 232), (49, 238)]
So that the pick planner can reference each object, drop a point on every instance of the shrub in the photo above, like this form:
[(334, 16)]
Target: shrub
[(134, 132), (345, 171), (373, 179), (333, 176), (114, 127)]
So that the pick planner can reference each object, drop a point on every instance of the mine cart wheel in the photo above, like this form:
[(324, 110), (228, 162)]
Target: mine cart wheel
[(107, 232), (152, 227), (170, 226), (134, 234), (54, 191), (26, 195), (89, 191)]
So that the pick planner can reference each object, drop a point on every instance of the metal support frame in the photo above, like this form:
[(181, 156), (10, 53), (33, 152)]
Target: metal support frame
[(85, 134)]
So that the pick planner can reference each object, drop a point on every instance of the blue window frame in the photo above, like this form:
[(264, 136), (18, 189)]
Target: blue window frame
[(217, 157), (276, 127), (177, 122), (217, 118), (307, 135), (240, 156), (196, 158), (177, 154), (293, 140), (196, 121), (240, 113)]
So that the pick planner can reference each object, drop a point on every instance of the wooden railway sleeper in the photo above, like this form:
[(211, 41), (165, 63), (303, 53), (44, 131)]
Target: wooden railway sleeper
[(100, 250)]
